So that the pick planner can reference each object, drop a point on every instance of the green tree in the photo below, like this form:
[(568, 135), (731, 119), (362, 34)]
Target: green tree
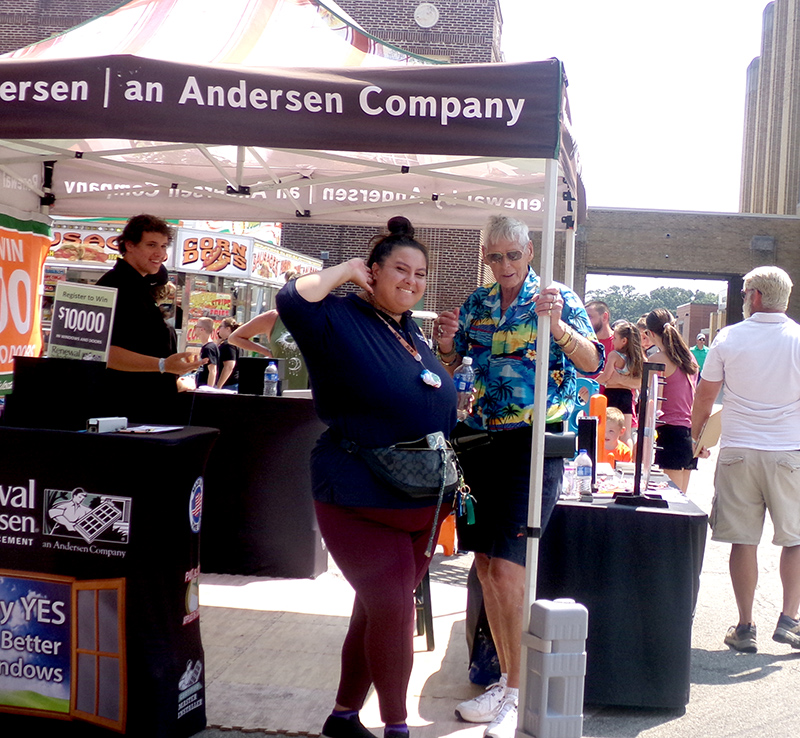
[(625, 303)]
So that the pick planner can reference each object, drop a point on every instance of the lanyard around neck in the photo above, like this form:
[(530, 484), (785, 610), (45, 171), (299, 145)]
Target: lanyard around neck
[(411, 349), (427, 376)]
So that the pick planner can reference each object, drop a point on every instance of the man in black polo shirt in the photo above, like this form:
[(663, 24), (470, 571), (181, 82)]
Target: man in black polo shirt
[(142, 364)]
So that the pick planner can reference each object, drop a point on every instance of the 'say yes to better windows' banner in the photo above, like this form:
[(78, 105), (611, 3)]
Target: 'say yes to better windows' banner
[(23, 247)]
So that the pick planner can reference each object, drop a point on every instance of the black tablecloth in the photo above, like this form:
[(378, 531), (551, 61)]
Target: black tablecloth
[(150, 486), (260, 515), (637, 571)]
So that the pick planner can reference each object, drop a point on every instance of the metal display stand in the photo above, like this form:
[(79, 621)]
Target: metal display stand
[(649, 397)]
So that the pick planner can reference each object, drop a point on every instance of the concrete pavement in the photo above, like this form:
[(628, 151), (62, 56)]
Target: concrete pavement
[(272, 656)]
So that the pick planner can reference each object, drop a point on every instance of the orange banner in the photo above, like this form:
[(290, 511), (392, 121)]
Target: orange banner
[(23, 247)]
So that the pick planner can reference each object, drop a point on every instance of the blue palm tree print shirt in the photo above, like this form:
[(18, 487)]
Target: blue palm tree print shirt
[(503, 351)]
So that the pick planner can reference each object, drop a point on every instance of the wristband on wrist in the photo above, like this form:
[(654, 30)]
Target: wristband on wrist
[(162, 365)]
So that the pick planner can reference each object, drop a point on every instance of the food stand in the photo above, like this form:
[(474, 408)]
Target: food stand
[(216, 273)]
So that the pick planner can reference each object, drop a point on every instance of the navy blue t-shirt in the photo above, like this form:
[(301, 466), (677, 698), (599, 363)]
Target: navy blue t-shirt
[(367, 389)]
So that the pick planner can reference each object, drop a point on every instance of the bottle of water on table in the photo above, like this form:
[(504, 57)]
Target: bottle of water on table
[(583, 473), (271, 380), (464, 378)]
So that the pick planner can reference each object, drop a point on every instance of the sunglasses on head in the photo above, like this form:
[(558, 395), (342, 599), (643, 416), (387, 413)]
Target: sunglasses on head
[(498, 258)]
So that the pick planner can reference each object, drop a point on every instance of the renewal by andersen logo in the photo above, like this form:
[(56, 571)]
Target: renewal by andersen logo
[(90, 519)]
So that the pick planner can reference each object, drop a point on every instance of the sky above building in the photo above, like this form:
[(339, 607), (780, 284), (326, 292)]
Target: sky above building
[(657, 93)]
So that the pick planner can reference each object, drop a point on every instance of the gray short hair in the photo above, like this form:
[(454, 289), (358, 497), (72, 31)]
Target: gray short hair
[(505, 228), (774, 285)]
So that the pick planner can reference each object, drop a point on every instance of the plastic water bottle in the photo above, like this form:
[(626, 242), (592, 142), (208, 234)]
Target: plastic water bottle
[(464, 378), (271, 380), (583, 473)]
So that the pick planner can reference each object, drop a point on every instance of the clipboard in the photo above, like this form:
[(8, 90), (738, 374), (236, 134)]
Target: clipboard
[(709, 436)]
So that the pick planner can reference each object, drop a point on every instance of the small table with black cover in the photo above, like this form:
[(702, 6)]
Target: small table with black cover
[(637, 571), (111, 522), (260, 513)]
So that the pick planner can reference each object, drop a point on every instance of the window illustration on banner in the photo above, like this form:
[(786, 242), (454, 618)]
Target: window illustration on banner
[(62, 648)]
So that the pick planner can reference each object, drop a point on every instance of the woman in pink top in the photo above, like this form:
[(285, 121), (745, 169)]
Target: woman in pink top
[(674, 453)]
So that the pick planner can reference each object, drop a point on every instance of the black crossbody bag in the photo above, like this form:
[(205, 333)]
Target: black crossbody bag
[(417, 469)]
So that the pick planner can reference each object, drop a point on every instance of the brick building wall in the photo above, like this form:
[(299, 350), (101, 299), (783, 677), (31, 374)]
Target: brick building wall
[(24, 22), (467, 31), (454, 256), (693, 318)]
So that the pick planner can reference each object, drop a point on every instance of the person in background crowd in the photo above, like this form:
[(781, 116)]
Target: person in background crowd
[(648, 346), (616, 448), (281, 343), (376, 383), (143, 365), (600, 318), (700, 350), (759, 455), (623, 364), (228, 356), (209, 351), (674, 453), (497, 328)]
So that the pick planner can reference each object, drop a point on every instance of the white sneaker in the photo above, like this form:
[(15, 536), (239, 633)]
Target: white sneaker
[(484, 707), (505, 724)]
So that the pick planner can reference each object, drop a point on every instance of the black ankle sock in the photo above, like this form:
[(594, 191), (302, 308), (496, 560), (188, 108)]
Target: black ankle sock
[(345, 727)]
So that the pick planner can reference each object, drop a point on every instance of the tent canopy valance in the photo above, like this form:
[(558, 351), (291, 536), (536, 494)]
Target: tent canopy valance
[(330, 145)]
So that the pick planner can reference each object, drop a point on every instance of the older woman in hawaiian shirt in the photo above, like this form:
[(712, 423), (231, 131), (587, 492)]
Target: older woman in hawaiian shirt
[(497, 326)]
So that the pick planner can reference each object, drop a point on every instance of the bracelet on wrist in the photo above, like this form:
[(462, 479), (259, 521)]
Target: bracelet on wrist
[(566, 338), (568, 354), (451, 362), (445, 354), (162, 365), (565, 346)]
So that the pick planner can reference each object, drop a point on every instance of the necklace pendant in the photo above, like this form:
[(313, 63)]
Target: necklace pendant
[(431, 379)]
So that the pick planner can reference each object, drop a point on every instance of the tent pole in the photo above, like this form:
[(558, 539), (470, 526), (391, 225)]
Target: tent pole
[(569, 259), (539, 416)]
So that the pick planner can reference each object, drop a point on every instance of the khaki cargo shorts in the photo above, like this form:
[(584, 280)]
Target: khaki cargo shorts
[(748, 482)]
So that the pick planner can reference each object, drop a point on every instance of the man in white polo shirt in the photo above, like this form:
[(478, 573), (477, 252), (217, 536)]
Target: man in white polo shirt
[(757, 363)]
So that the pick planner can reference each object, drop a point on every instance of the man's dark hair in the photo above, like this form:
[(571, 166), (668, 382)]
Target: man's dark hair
[(137, 226), (600, 305)]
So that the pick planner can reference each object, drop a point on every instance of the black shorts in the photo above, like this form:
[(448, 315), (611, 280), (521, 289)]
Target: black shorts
[(498, 475), (674, 447), (620, 398)]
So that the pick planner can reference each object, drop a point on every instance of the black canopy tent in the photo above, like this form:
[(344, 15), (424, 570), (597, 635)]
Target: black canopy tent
[(445, 145)]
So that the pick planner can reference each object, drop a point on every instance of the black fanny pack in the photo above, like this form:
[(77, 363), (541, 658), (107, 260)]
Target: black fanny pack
[(416, 469)]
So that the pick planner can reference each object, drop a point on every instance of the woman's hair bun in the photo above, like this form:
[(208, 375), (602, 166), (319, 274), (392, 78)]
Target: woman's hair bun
[(400, 226)]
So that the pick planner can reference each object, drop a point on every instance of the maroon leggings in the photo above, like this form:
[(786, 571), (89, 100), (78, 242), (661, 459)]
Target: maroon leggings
[(382, 554)]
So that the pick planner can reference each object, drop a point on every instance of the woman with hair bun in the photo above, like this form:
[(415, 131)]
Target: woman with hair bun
[(376, 383), (674, 453)]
